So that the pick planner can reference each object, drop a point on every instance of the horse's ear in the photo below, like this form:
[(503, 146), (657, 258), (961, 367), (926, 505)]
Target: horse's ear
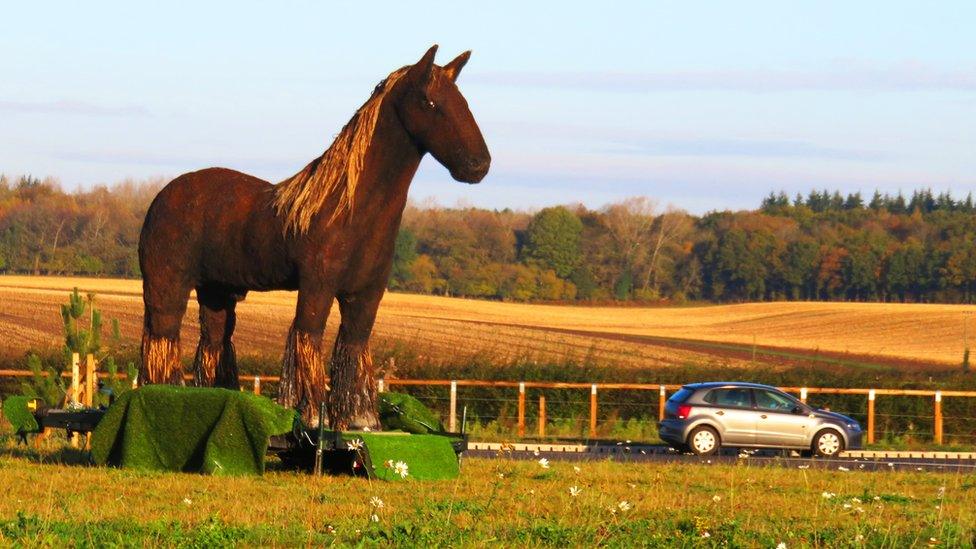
[(420, 73), (453, 68)]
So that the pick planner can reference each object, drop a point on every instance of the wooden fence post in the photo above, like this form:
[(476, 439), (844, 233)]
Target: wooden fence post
[(803, 395), (75, 380), (938, 417), (542, 416), (257, 385), (89, 399), (452, 423), (521, 409), (75, 389), (662, 393), (593, 411), (871, 394)]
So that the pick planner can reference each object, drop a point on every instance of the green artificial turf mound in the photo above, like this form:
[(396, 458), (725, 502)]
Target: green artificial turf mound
[(428, 457), (214, 431), (19, 415), (399, 411)]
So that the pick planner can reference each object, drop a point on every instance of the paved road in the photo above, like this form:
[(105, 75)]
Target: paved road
[(661, 454)]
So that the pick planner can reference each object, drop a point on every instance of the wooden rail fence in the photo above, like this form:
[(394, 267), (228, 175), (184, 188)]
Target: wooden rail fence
[(82, 389)]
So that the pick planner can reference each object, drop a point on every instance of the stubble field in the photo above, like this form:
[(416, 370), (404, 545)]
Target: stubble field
[(911, 335)]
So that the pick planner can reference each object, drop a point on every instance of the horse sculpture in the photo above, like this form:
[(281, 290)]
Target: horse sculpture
[(328, 232)]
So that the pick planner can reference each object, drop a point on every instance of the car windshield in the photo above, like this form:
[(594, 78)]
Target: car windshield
[(774, 401), (738, 397)]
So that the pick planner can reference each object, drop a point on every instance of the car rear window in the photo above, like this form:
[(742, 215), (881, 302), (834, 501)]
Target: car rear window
[(737, 397), (681, 396)]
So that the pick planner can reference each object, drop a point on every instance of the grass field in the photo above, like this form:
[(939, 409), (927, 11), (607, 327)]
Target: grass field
[(914, 336), (49, 502)]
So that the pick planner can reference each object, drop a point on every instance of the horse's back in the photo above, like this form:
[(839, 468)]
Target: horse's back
[(209, 225)]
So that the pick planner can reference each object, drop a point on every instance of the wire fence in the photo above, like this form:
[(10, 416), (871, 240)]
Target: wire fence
[(549, 410)]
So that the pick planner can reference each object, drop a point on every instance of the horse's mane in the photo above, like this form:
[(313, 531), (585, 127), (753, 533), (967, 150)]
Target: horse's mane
[(300, 197)]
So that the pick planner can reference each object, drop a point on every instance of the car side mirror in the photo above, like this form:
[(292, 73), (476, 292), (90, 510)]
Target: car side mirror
[(798, 410)]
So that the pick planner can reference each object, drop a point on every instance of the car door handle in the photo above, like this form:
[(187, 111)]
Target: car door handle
[(720, 413), (763, 416)]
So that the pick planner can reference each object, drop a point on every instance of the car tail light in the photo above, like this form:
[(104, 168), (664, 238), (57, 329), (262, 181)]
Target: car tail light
[(684, 410)]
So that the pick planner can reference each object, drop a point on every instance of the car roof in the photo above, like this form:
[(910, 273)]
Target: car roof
[(715, 384)]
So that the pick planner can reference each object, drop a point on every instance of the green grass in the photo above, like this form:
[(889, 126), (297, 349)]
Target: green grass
[(51, 501)]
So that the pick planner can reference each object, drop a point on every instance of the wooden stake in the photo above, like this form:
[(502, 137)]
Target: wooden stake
[(661, 401), (521, 410), (75, 388), (257, 385), (452, 422), (871, 416), (593, 411), (89, 400), (542, 416), (938, 417)]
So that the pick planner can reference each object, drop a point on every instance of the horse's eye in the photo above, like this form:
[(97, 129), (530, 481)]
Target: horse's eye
[(431, 105)]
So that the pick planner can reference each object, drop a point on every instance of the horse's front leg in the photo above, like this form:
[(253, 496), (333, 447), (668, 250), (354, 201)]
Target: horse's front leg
[(303, 381), (352, 399)]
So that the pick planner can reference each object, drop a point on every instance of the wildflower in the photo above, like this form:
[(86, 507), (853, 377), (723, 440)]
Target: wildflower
[(631, 486), (330, 529), (855, 500), (366, 429), (400, 468), (624, 506), (354, 445), (842, 468), (374, 517), (859, 537), (706, 535), (716, 498), (782, 545), (501, 475), (847, 506), (941, 492), (575, 491), (388, 463), (576, 469), (803, 467), (187, 501), (859, 509), (827, 495), (544, 463), (376, 502), (612, 509), (536, 452)]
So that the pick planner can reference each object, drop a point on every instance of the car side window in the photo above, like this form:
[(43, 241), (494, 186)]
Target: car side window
[(732, 397), (774, 402)]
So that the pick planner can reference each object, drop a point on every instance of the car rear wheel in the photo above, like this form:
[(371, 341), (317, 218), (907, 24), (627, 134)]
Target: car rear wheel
[(703, 441), (828, 443)]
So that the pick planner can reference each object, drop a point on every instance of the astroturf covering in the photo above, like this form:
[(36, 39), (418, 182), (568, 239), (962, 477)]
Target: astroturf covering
[(16, 410), (428, 457), (400, 411), (214, 431)]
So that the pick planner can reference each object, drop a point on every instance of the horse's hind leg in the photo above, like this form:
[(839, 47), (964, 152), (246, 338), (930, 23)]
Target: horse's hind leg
[(161, 336), (215, 364)]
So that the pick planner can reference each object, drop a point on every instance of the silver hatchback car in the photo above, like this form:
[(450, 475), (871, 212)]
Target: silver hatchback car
[(703, 417)]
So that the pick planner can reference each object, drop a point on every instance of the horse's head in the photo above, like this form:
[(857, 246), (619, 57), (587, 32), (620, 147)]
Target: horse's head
[(437, 117)]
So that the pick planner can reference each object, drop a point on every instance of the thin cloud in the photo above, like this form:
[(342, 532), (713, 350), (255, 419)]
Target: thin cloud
[(71, 107), (900, 78), (746, 148)]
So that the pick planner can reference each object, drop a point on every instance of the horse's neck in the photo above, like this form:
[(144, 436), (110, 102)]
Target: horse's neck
[(391, 162)]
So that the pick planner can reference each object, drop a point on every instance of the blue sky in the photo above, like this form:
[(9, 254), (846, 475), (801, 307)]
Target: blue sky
[(698, 104)]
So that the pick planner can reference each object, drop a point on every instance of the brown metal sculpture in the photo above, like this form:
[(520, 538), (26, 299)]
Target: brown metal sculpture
[(328, 232)]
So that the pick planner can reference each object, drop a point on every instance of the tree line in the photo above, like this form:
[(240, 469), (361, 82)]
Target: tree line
[(822, 246)]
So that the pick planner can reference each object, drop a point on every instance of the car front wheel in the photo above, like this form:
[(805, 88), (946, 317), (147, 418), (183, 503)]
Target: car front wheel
[(828, 443), (703, 441)]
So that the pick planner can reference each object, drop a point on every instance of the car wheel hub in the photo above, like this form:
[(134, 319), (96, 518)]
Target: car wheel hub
[(704, 441), (828, 444)]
